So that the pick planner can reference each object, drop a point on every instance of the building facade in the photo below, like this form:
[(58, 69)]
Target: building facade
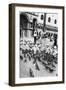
[(41, 22)]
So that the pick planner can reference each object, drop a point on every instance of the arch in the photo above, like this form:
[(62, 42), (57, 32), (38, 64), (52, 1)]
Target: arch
[(24, 20), (55, 21), (34, 21), (49, 19), (42, 17), (23, 24)]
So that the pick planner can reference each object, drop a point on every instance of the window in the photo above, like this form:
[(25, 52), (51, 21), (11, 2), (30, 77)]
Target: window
[(41, 17), (55, 21), (49, 19)]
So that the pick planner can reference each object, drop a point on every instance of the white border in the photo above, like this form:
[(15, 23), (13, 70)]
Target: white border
[(41, 79)]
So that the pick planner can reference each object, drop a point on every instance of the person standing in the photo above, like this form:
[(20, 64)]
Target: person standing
[(35, 35)]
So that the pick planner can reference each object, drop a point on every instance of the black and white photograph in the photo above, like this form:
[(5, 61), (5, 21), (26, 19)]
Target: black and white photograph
[(38, 44)]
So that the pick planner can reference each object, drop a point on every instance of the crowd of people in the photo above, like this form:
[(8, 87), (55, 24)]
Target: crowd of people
[(46, 55)]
